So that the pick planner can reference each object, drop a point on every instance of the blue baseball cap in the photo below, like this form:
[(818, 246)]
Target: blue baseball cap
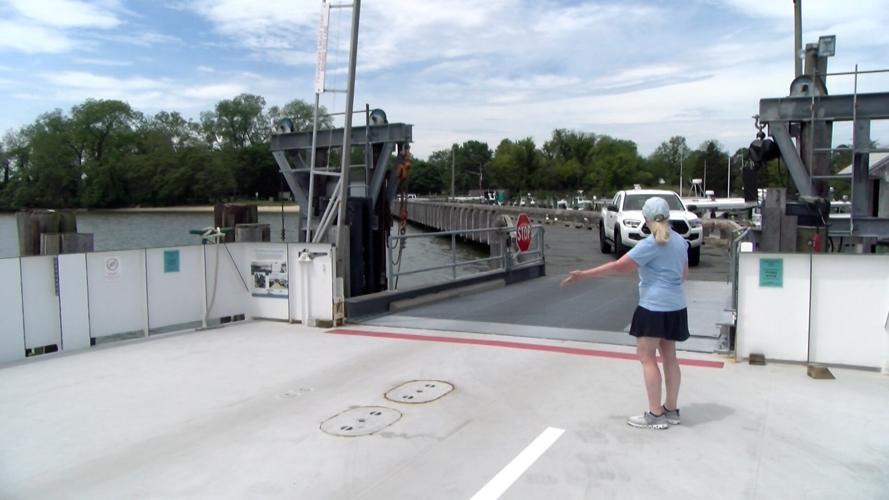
[(656, 209)]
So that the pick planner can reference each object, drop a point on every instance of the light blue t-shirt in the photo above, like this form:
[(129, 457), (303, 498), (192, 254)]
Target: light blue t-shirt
[(661, 272)]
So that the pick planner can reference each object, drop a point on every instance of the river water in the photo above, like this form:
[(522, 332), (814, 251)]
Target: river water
[(133, 230)]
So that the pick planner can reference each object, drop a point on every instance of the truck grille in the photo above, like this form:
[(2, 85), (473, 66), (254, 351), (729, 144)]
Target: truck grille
[(680, 226)]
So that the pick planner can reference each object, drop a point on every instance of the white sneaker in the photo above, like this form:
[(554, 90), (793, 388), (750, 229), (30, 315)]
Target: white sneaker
[(649, 421)]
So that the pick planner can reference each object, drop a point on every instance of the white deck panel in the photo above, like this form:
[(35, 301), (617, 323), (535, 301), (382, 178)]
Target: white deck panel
[(235, 413)]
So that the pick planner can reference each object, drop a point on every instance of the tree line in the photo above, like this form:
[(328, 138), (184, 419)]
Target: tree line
[(105, 154), (598, 165)]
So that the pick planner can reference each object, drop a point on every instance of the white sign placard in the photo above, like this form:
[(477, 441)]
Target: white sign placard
[(269, 271), (112, 268), (321, 64)]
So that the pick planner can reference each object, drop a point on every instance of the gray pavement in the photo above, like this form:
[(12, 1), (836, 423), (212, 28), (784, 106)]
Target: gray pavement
[(593, 311)]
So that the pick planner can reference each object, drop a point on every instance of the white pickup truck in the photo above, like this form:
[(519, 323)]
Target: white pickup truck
[(621, 224)]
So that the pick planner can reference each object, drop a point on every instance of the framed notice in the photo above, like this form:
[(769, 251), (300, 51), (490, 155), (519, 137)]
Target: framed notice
[(171, 261), (269, 272), (771, 273)]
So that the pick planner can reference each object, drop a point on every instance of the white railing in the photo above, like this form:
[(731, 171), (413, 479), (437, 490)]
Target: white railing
[(71, 301), (505, 257)]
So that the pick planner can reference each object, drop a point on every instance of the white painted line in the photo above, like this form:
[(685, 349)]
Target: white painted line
[(504, 479)]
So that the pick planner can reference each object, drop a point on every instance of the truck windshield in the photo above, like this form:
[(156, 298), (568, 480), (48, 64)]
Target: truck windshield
[(635, 201)]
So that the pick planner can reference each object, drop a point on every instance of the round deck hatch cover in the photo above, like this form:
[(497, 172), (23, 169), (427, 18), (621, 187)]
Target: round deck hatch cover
[(360, 421), (419, 391)]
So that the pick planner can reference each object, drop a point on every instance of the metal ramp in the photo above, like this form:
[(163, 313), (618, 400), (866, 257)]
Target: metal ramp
[(595, 311)]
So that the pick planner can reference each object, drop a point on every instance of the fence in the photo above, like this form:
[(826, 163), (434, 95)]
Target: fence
[(504, 256)]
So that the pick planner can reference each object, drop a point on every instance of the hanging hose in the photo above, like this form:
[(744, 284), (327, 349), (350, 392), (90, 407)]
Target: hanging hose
[(215, 235), (281, 190)]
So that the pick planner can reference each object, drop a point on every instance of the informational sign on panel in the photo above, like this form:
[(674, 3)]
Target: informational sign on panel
[(112, 268), (269, 271), (771, 273), (171, 261)]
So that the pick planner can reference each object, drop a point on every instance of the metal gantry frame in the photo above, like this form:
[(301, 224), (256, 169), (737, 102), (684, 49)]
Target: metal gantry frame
[(783, 114), (363, 203)]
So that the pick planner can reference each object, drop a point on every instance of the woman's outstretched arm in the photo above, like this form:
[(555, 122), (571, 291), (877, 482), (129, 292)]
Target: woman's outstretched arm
[(623, 265)]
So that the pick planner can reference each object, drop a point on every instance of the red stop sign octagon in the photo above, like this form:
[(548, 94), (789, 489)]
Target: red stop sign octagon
[(523, 232)]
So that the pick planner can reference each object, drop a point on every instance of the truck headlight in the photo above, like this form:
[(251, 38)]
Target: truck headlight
[(632, 223), (694, 223)]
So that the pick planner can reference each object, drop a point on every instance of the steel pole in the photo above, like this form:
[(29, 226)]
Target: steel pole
[(453, 160), (797, 37), (728, 186), (342, 238), (680, 175), (312, 170)]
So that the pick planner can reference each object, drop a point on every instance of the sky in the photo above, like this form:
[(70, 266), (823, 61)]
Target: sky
[(457, 70)]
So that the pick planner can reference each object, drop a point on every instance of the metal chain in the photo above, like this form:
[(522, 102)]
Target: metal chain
[(404, 169)]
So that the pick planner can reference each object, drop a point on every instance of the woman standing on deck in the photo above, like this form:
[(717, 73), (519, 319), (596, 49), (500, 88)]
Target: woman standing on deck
[(661, 318)]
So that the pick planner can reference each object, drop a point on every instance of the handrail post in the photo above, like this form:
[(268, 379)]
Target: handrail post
[(389, 283), (507, 252), (454, 255)]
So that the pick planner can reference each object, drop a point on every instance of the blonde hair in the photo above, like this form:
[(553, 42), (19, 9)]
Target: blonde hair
[(661, 230)]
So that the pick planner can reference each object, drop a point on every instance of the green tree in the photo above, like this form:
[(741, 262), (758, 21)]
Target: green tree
[(301, 113), (667, 159), (709, 163), (214, 179), (615, 165), (236, 123), (568, 155), (157, 173), (100, 126), (426, 177), (49, 172), (440, 163), (516, 166), (102, 139), (469, 159)]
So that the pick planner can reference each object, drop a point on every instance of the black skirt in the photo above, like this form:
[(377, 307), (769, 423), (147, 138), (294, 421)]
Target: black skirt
[(669, 325)]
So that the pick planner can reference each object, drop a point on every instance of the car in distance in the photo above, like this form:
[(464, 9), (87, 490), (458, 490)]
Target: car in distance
[(621, 224)]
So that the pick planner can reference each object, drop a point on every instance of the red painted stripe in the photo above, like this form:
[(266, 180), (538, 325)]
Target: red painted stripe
[(516, 345)]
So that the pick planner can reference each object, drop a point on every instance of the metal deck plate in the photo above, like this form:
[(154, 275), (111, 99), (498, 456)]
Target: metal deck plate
[(360, 421), (419, 391)]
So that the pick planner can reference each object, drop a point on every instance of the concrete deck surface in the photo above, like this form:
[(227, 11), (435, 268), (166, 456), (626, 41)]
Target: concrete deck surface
[(235, 413)]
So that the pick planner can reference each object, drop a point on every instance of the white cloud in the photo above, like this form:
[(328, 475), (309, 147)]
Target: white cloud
[(144, 39), (101, 62), (150, 95), (470, 69), (68, 13), (32, 39)]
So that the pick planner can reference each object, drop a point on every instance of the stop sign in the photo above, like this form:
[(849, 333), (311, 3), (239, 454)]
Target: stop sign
[(523, 232)]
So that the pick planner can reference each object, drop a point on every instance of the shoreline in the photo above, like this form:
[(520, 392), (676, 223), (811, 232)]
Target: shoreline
[(263, 209)]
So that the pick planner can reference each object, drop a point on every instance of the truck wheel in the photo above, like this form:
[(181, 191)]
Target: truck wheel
[(694, 256), (603, 244), (619, 247)]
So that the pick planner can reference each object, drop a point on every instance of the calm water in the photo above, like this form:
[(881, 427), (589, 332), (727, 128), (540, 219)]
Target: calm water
[(127, 231)]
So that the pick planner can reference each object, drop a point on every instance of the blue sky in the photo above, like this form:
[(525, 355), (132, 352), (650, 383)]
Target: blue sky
[(456, 69)]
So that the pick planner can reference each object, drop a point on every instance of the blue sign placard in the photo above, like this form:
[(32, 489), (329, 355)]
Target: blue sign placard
[(171, 261), (771, 273)]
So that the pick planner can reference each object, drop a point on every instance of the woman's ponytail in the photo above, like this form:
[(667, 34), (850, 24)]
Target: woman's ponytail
[(661, 231)]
